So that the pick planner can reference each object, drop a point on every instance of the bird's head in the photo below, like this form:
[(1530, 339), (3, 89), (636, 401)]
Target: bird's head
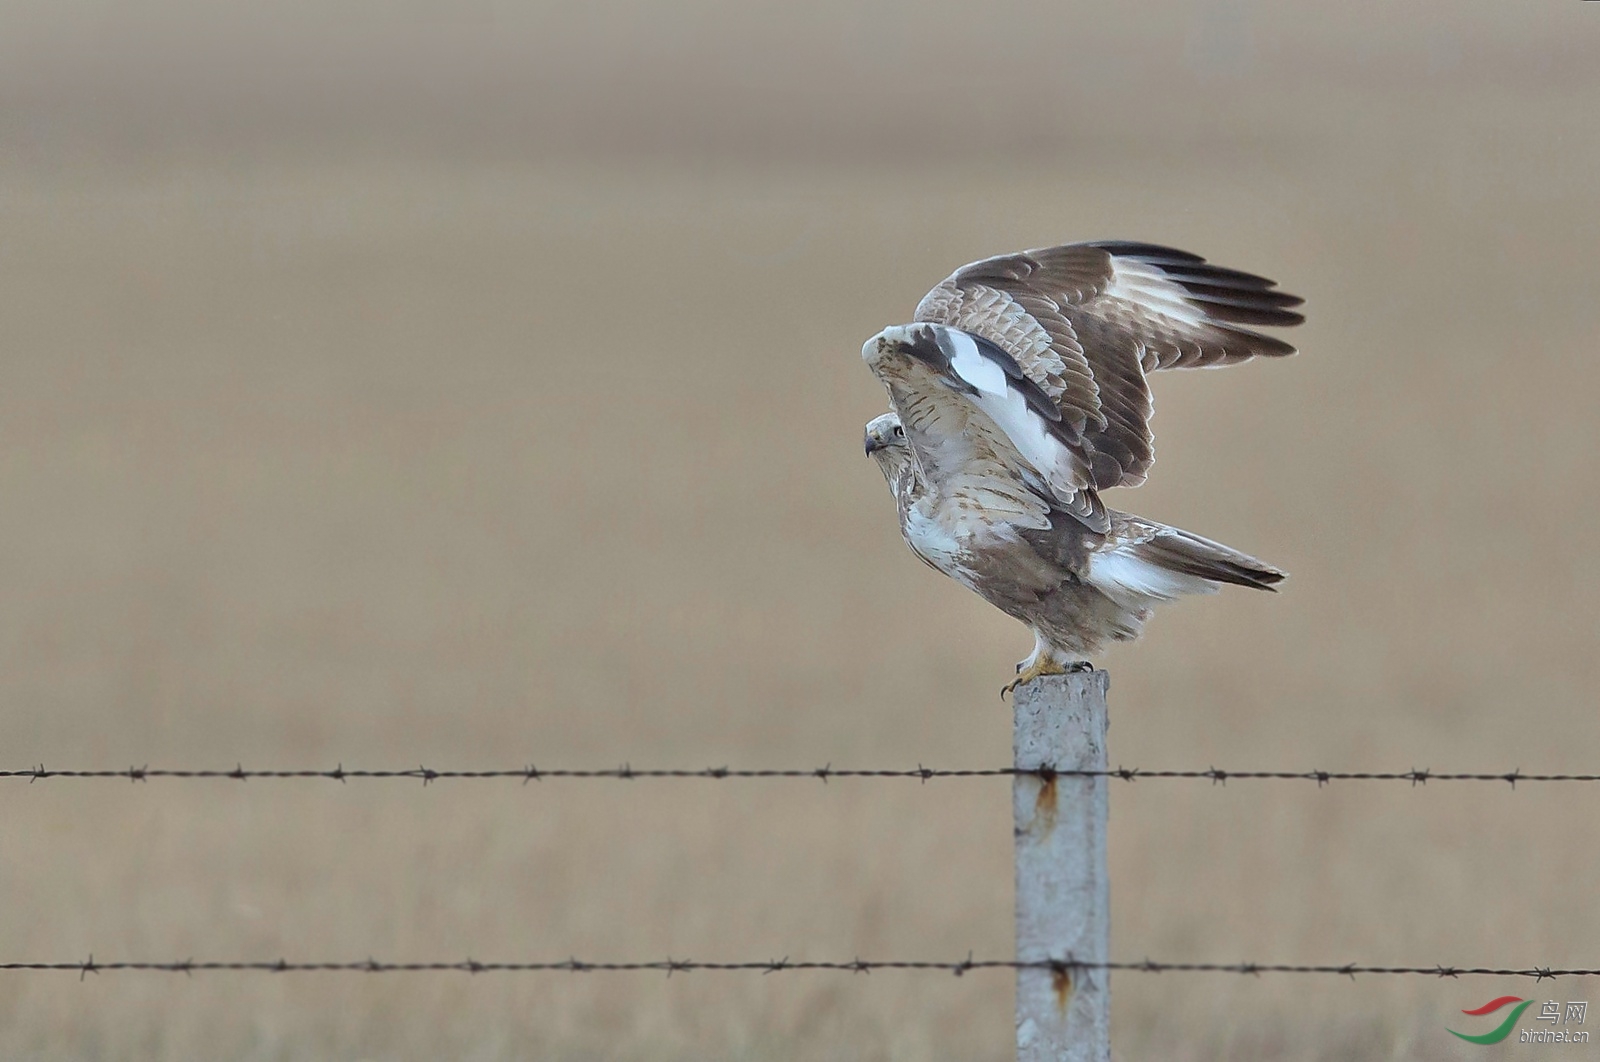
[(886, 445)]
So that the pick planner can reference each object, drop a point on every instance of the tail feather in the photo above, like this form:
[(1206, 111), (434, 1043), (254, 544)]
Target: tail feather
[(1156, 562), (1180, 551)]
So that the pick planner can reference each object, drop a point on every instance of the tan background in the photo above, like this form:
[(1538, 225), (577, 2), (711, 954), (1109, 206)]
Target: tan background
[(478, 384)]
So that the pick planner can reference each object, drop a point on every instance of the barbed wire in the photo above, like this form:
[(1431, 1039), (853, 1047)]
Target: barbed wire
[(531, 773), (671, 966)]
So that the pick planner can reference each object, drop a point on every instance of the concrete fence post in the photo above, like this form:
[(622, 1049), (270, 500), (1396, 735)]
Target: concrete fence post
[(1063, 892)]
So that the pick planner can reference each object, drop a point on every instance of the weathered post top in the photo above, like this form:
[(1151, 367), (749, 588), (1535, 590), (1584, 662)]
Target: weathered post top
[(1063, 892)]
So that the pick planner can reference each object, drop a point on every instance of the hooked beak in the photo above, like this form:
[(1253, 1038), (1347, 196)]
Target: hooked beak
[(872, 444)]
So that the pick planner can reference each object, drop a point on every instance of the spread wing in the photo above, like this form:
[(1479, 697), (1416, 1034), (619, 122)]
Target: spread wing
[(1085, 323), (994, 441)]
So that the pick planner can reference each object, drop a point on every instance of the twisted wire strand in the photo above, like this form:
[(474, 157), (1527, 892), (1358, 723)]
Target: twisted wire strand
[(531, 773), (670, 966)]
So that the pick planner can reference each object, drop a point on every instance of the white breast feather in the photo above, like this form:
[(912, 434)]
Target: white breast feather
[(937, 544)]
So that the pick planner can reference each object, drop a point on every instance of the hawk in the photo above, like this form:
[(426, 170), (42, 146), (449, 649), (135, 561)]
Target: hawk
[(1020, 393)]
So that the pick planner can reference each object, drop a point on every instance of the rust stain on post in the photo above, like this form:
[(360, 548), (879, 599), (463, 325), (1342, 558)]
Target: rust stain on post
[(1061, 981), (1044, 805)]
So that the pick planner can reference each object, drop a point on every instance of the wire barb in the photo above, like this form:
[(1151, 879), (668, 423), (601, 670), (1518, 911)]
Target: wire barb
[(825, 773), (189, 967)]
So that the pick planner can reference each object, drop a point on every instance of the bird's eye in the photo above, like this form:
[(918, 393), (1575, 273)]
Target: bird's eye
[(899, 432)]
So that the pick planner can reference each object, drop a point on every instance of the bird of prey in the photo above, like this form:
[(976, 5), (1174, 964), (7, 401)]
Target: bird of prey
[(1020, 393)]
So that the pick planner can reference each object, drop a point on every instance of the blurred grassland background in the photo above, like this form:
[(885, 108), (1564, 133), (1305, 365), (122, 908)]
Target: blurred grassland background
[(477, 384)]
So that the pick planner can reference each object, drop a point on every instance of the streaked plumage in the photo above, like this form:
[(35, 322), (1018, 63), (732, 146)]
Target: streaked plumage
[(1020, 392)]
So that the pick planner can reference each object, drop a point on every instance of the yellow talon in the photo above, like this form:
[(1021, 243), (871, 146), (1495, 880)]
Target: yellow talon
[(1044, 665)]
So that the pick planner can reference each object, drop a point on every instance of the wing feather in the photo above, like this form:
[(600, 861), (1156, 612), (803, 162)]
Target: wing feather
[(1087, 322), (977, 421), (1031, 329)]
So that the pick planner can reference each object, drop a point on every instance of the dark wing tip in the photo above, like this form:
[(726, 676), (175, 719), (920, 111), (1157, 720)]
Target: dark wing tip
[(1224, 295), (1249, 313), (1154, 253), (1252, 344), (1229, 296)]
